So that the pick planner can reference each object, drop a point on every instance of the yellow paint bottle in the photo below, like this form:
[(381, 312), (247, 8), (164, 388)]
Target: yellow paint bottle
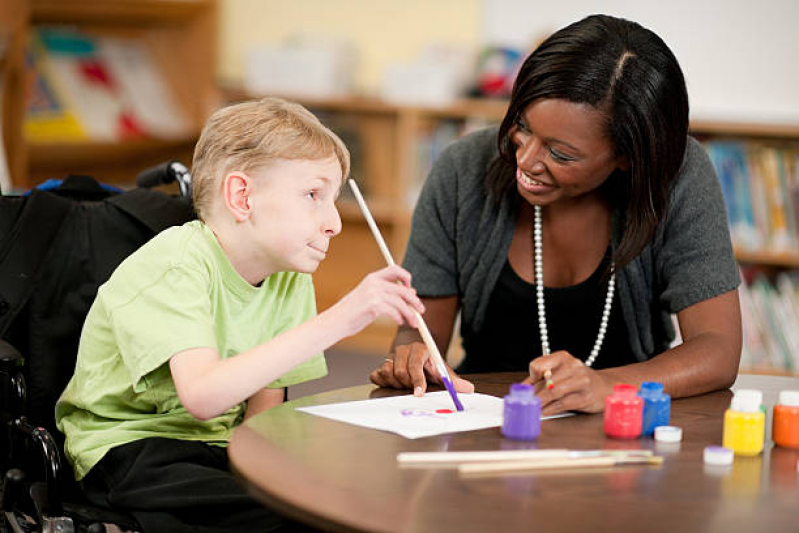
[(745, 423)]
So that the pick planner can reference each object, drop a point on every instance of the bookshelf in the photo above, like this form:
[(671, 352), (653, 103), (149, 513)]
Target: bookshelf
[(180, 36), (391, 160)]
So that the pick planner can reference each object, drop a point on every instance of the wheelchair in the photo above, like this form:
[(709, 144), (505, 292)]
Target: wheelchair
[(57, 246)]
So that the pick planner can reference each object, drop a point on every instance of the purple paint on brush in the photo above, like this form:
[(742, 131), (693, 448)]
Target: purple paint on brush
[(451, 390)]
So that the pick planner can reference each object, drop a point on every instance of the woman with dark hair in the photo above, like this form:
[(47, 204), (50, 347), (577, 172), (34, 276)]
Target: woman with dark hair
[(568, 236)]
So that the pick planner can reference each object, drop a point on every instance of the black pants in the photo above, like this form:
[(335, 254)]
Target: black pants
[(178, 486)]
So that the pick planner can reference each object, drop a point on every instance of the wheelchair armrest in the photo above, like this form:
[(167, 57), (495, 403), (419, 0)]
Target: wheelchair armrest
[(49, 503), (13, 391)]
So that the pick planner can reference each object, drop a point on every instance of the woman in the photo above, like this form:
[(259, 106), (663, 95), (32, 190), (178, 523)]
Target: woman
[(591, 184)]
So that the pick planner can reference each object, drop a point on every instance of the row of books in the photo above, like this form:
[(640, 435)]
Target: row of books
[(760, 183), (97, 88), (429, 145), (770, 317)]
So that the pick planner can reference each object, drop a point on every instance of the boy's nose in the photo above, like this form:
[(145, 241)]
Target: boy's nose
[(332, 225)]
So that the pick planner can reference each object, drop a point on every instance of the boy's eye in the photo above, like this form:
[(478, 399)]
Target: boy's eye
[(311, 195)]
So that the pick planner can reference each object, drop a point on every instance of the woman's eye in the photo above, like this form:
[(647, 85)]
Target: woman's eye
[(520, 125), (557, 156), (311, 195)]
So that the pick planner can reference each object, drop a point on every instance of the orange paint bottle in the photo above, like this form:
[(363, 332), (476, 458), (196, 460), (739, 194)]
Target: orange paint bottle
[(785, 423)]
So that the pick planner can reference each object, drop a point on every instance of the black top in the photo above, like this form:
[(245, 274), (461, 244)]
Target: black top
[(510, 337)]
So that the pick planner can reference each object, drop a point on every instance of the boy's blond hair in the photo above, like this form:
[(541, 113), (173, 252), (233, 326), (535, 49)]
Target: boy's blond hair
[(251, 135)]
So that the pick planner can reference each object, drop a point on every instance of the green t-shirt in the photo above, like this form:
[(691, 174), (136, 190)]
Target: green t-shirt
[(178, 291)]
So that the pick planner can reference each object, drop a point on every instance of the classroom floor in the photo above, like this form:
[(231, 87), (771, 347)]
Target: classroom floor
[(346, 368)]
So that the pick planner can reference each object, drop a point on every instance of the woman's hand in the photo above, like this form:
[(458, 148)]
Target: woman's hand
[(576, 386), (411, 368)]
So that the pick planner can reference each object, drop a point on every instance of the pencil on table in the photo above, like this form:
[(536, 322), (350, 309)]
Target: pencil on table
[(435, 355)]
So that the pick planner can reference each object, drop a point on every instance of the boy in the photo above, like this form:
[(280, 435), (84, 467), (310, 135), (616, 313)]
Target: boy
[(208, 322)]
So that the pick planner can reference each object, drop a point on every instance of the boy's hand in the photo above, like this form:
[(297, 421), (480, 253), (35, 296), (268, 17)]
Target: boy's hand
[(412, 368), (386, 292)]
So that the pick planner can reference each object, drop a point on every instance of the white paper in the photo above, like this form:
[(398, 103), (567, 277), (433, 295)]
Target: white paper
[(413, 417)]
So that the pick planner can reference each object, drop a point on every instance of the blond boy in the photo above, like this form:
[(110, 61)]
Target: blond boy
[(208, 322)]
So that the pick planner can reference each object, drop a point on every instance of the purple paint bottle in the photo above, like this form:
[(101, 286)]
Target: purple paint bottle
[(522, 413)]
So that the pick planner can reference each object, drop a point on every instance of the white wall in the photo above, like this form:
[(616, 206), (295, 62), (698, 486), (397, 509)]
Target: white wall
[(740, 57)]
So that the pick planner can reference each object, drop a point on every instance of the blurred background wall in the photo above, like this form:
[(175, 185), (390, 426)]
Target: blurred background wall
[(739, 56)]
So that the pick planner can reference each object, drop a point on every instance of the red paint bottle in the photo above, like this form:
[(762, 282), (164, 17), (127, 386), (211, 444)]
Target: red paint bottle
[(623, 412)]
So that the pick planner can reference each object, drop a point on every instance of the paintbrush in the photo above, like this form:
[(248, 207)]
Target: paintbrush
[(455, 459), (507, 467), (435, 355)]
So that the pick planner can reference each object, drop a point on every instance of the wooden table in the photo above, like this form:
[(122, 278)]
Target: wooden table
[(339, 477)]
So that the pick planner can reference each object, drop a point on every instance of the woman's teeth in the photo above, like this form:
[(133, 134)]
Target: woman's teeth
[(529, 181)]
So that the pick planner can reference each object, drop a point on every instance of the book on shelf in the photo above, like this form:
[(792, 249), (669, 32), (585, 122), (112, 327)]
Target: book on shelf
[(770, 322), (760, 184), (430, 142), (97, 88)]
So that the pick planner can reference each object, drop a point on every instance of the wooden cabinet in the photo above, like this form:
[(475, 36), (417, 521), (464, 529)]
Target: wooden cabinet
[(181, 38)]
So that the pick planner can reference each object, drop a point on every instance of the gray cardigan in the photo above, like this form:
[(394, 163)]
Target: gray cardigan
[(459, 242)]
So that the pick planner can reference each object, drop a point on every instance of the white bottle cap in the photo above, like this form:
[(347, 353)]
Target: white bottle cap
[(789, 398), (718, 455), (747, 401), (668, 434)]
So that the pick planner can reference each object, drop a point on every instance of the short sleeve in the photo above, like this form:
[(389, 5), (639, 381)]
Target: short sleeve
[(431, 255), (170, 315), (696, 260), (303, 307)]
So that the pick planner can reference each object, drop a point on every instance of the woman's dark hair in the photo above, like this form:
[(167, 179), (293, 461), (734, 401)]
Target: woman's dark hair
[(628, 74)]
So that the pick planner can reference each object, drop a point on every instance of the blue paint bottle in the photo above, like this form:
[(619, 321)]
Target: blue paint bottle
[(657, 407), (521, 418)]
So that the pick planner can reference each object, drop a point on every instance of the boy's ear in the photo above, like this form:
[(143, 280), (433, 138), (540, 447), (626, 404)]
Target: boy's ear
[(236, 191)]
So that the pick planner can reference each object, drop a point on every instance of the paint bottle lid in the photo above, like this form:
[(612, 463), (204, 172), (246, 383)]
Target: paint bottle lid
[(624, 389), (521, 393), (651, 387), (789, 398), (668, 434), (747, 401), (718, 455)]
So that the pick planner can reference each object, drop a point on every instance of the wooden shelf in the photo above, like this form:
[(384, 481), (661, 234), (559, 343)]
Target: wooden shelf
[(117, 12), (768, 372), (179, 34), (459, 109), (744, 129), (58, 155), (784, 259)]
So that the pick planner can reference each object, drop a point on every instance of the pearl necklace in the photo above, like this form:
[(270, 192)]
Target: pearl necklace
[(539, 293)]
